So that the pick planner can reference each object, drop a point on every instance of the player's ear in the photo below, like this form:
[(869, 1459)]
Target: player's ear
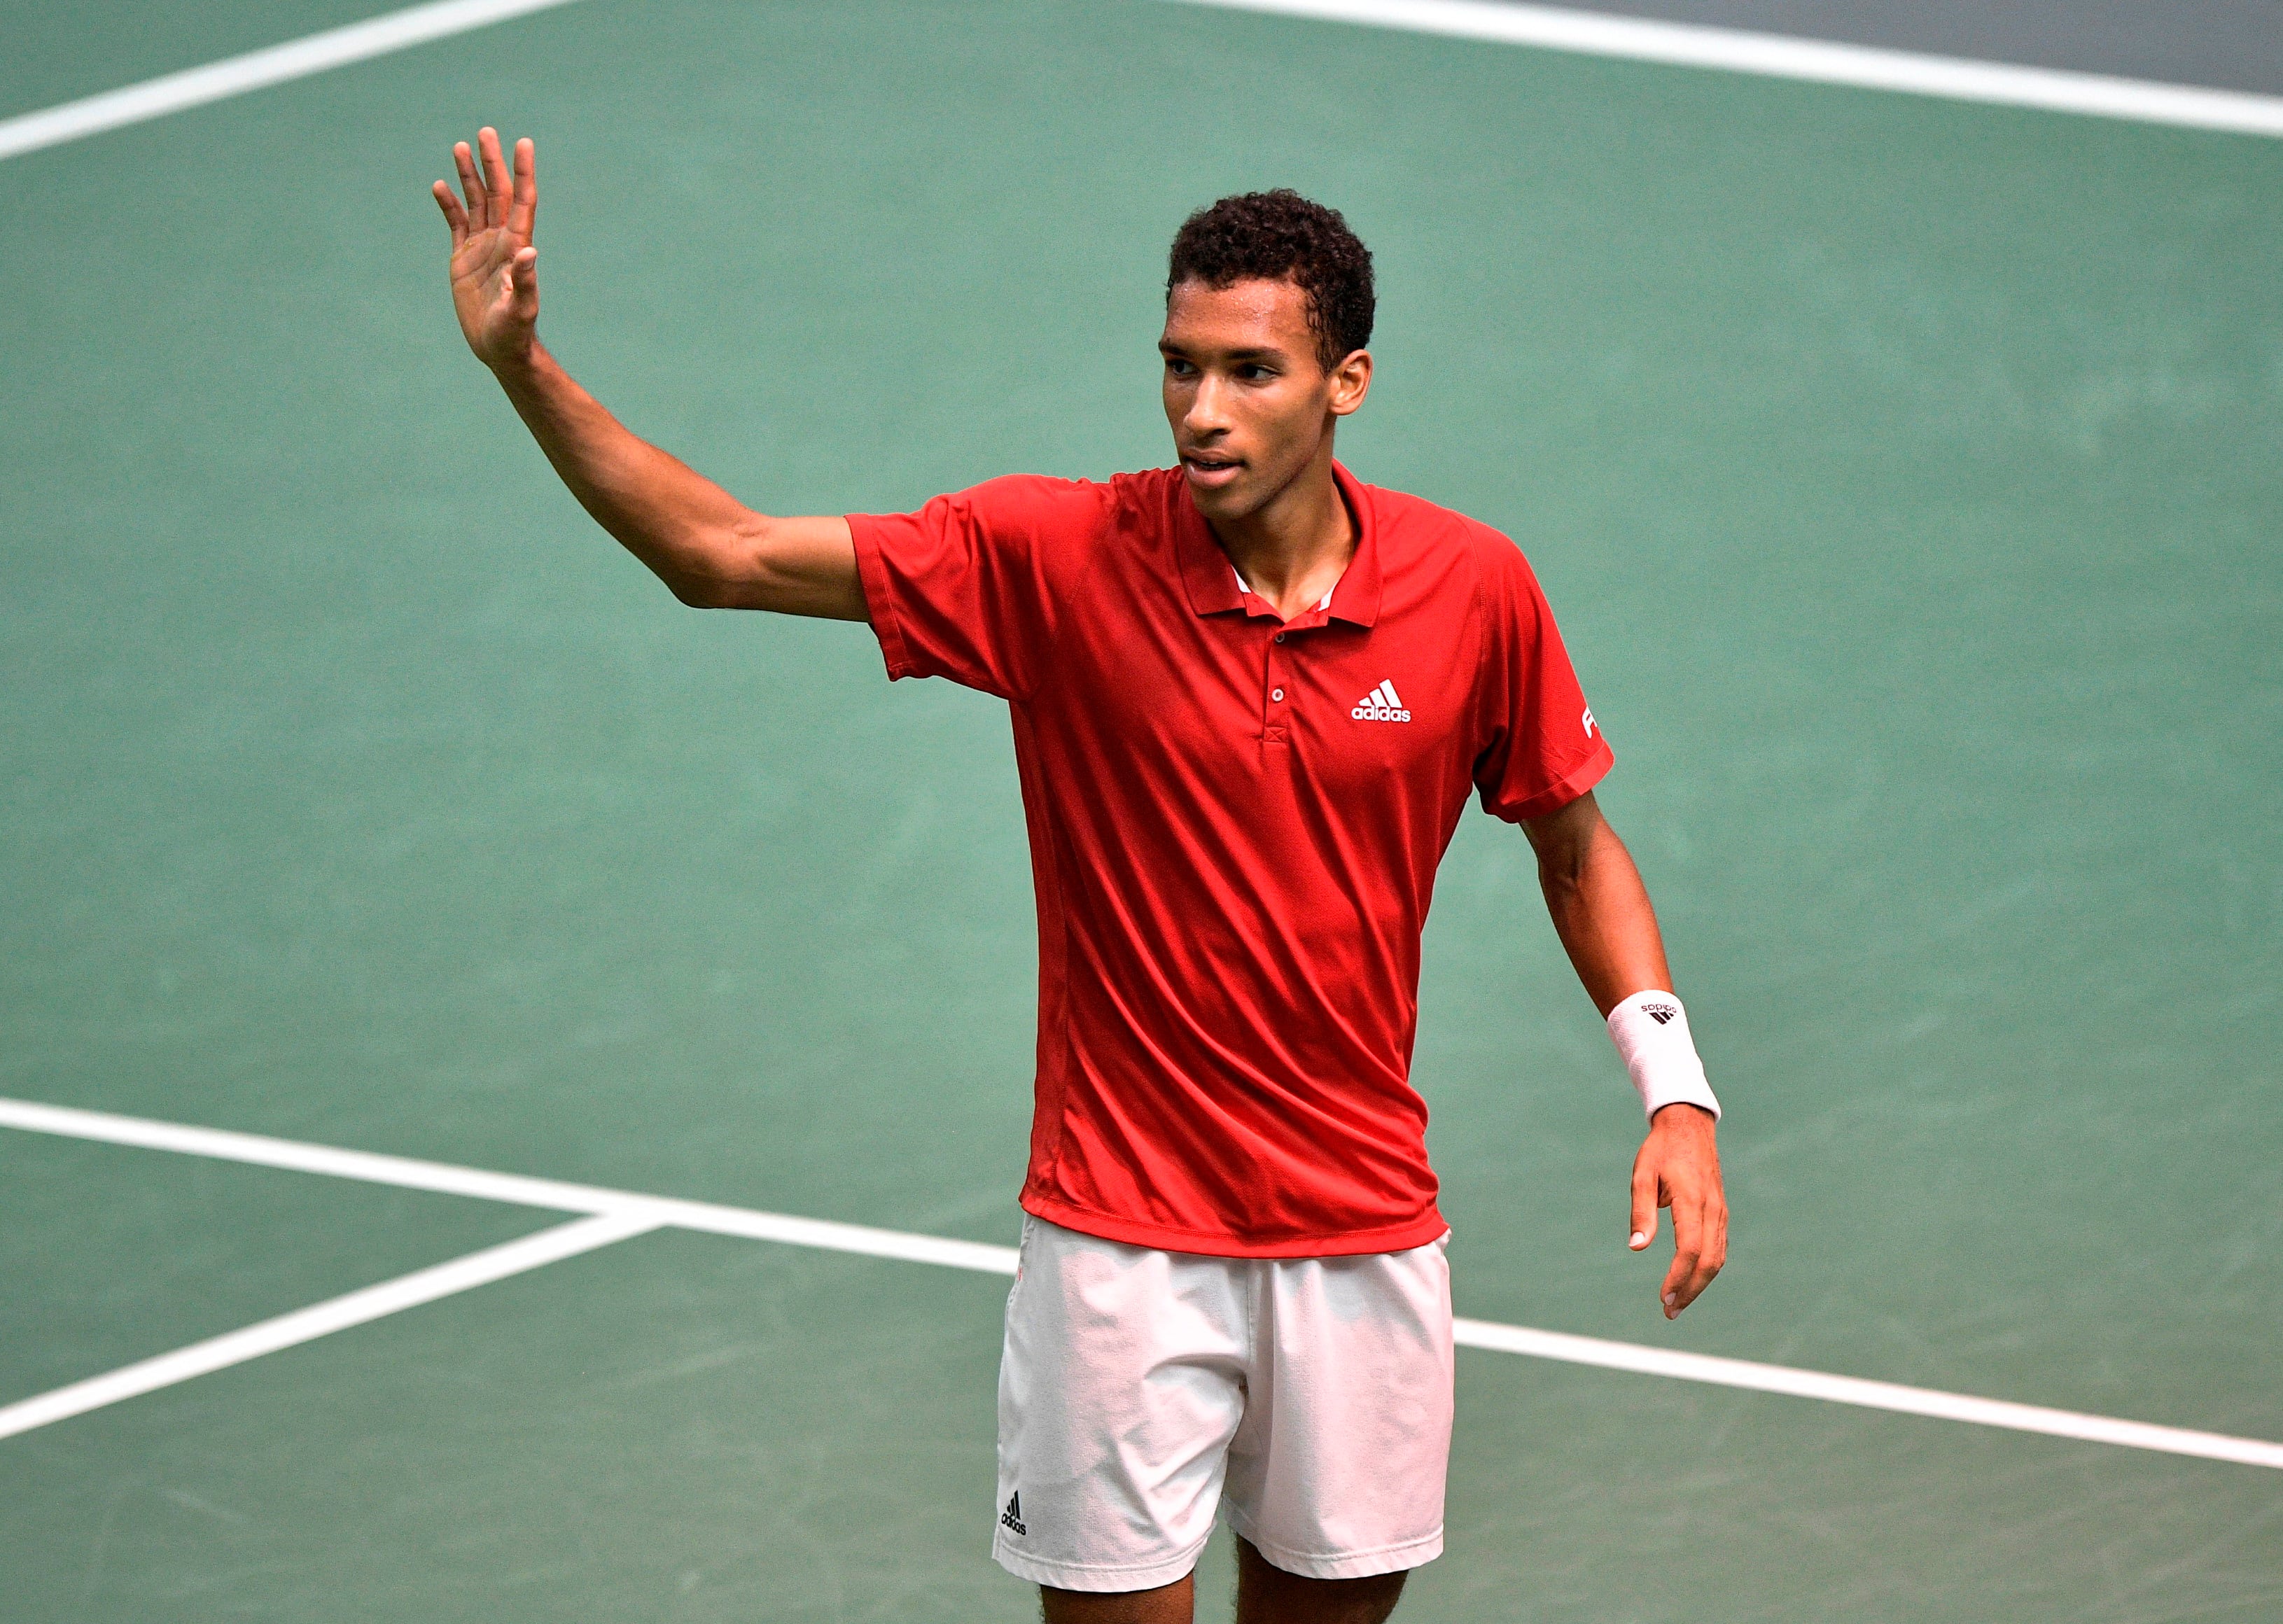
[(1351, 382)]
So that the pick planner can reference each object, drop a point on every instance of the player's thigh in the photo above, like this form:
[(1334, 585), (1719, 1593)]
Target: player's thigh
[(1119, 1387), (1338, 1471)]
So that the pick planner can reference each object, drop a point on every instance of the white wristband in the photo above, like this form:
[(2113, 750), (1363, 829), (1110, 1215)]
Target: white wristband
[(1651, 1032)]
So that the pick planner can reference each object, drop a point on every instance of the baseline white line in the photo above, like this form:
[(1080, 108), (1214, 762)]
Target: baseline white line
[(653, 1210), (1866, 1394), (314, 53), (1782, 57), (322, 1319), (1585, 33)]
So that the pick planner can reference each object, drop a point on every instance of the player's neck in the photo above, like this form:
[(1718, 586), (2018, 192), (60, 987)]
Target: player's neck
[(1293, 549)]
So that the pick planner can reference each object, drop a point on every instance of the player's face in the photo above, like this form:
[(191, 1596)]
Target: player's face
[(1249, 403)]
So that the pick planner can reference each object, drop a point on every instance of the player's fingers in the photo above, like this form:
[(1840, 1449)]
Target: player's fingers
[(472, 184), (1672, 1293), (1687, 1249), (527, 189), (1644, 1223), (454, 216), (500, 189), (523, 285), (1708, 1246)]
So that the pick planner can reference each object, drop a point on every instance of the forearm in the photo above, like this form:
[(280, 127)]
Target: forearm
[(1602, 912), (692, 534), (710, 550)]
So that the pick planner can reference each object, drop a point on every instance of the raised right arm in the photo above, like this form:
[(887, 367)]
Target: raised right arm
[(712, 550)]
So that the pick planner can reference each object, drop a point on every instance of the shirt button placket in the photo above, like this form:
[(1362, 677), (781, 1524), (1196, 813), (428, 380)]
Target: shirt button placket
[(1273, 723)]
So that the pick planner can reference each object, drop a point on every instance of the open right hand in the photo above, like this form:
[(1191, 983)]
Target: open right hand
[(494, 268)]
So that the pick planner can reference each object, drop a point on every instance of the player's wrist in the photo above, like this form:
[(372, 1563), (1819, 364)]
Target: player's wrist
[(514, 361), (1650, 1029)]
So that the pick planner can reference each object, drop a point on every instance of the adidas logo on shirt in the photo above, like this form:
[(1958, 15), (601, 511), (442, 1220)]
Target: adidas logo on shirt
[(1381, 705), (1011, 1519)]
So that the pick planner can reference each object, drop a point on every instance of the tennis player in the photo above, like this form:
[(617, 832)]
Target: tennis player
[(1251, 695)]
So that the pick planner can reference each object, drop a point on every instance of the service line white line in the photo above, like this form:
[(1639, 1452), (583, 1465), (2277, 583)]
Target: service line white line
[(654, 1210), (515, 1189), (1783, 57), (357, 1308), (314, 53)]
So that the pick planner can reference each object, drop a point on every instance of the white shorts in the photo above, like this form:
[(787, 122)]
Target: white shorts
[(1140, 1389)]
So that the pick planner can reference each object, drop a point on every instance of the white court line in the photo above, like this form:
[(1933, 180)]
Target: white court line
[(1550, 27), (322, 1319), (1869, 1394), (1777, 56), (705, 1216), (313, 53), (513, 1188)]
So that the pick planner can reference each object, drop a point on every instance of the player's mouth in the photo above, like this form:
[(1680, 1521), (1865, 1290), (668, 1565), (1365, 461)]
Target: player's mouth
[(1211, 470)]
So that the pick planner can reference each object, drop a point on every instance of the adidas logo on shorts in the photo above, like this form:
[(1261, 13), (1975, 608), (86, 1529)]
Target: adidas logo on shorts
[(1012, 1517), (1381, 705)]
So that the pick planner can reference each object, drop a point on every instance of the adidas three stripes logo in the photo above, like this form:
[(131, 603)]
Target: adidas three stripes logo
[(1381, 705)]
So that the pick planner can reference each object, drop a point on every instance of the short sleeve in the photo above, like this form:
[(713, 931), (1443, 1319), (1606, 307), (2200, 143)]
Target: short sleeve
[(1542, 748), (966, 588)]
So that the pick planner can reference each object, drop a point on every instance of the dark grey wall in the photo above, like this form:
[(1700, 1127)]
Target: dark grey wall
[(2234, 44)]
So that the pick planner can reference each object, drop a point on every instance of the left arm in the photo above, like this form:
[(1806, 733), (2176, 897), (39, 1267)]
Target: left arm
[(1602, 912)]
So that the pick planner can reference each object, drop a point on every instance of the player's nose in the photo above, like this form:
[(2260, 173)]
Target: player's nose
[(1207, 412)]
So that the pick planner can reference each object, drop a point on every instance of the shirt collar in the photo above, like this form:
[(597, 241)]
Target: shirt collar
[(1215, 588), (1323, 602)]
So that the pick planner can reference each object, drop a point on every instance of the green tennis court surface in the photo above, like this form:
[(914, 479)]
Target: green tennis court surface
[(1908, 477)]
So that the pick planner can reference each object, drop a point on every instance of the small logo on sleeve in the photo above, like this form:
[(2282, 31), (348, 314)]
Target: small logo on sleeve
[(1588, 719), (1012, 1517), (1381, 705)]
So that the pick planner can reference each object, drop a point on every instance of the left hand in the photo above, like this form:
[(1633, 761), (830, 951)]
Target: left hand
[(1679, 1167)]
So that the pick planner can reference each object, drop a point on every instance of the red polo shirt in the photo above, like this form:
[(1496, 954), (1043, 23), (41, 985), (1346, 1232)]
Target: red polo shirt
[(1234, 823)]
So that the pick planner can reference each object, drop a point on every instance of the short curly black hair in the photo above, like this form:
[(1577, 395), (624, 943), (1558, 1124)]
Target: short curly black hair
[(1275, 236)]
